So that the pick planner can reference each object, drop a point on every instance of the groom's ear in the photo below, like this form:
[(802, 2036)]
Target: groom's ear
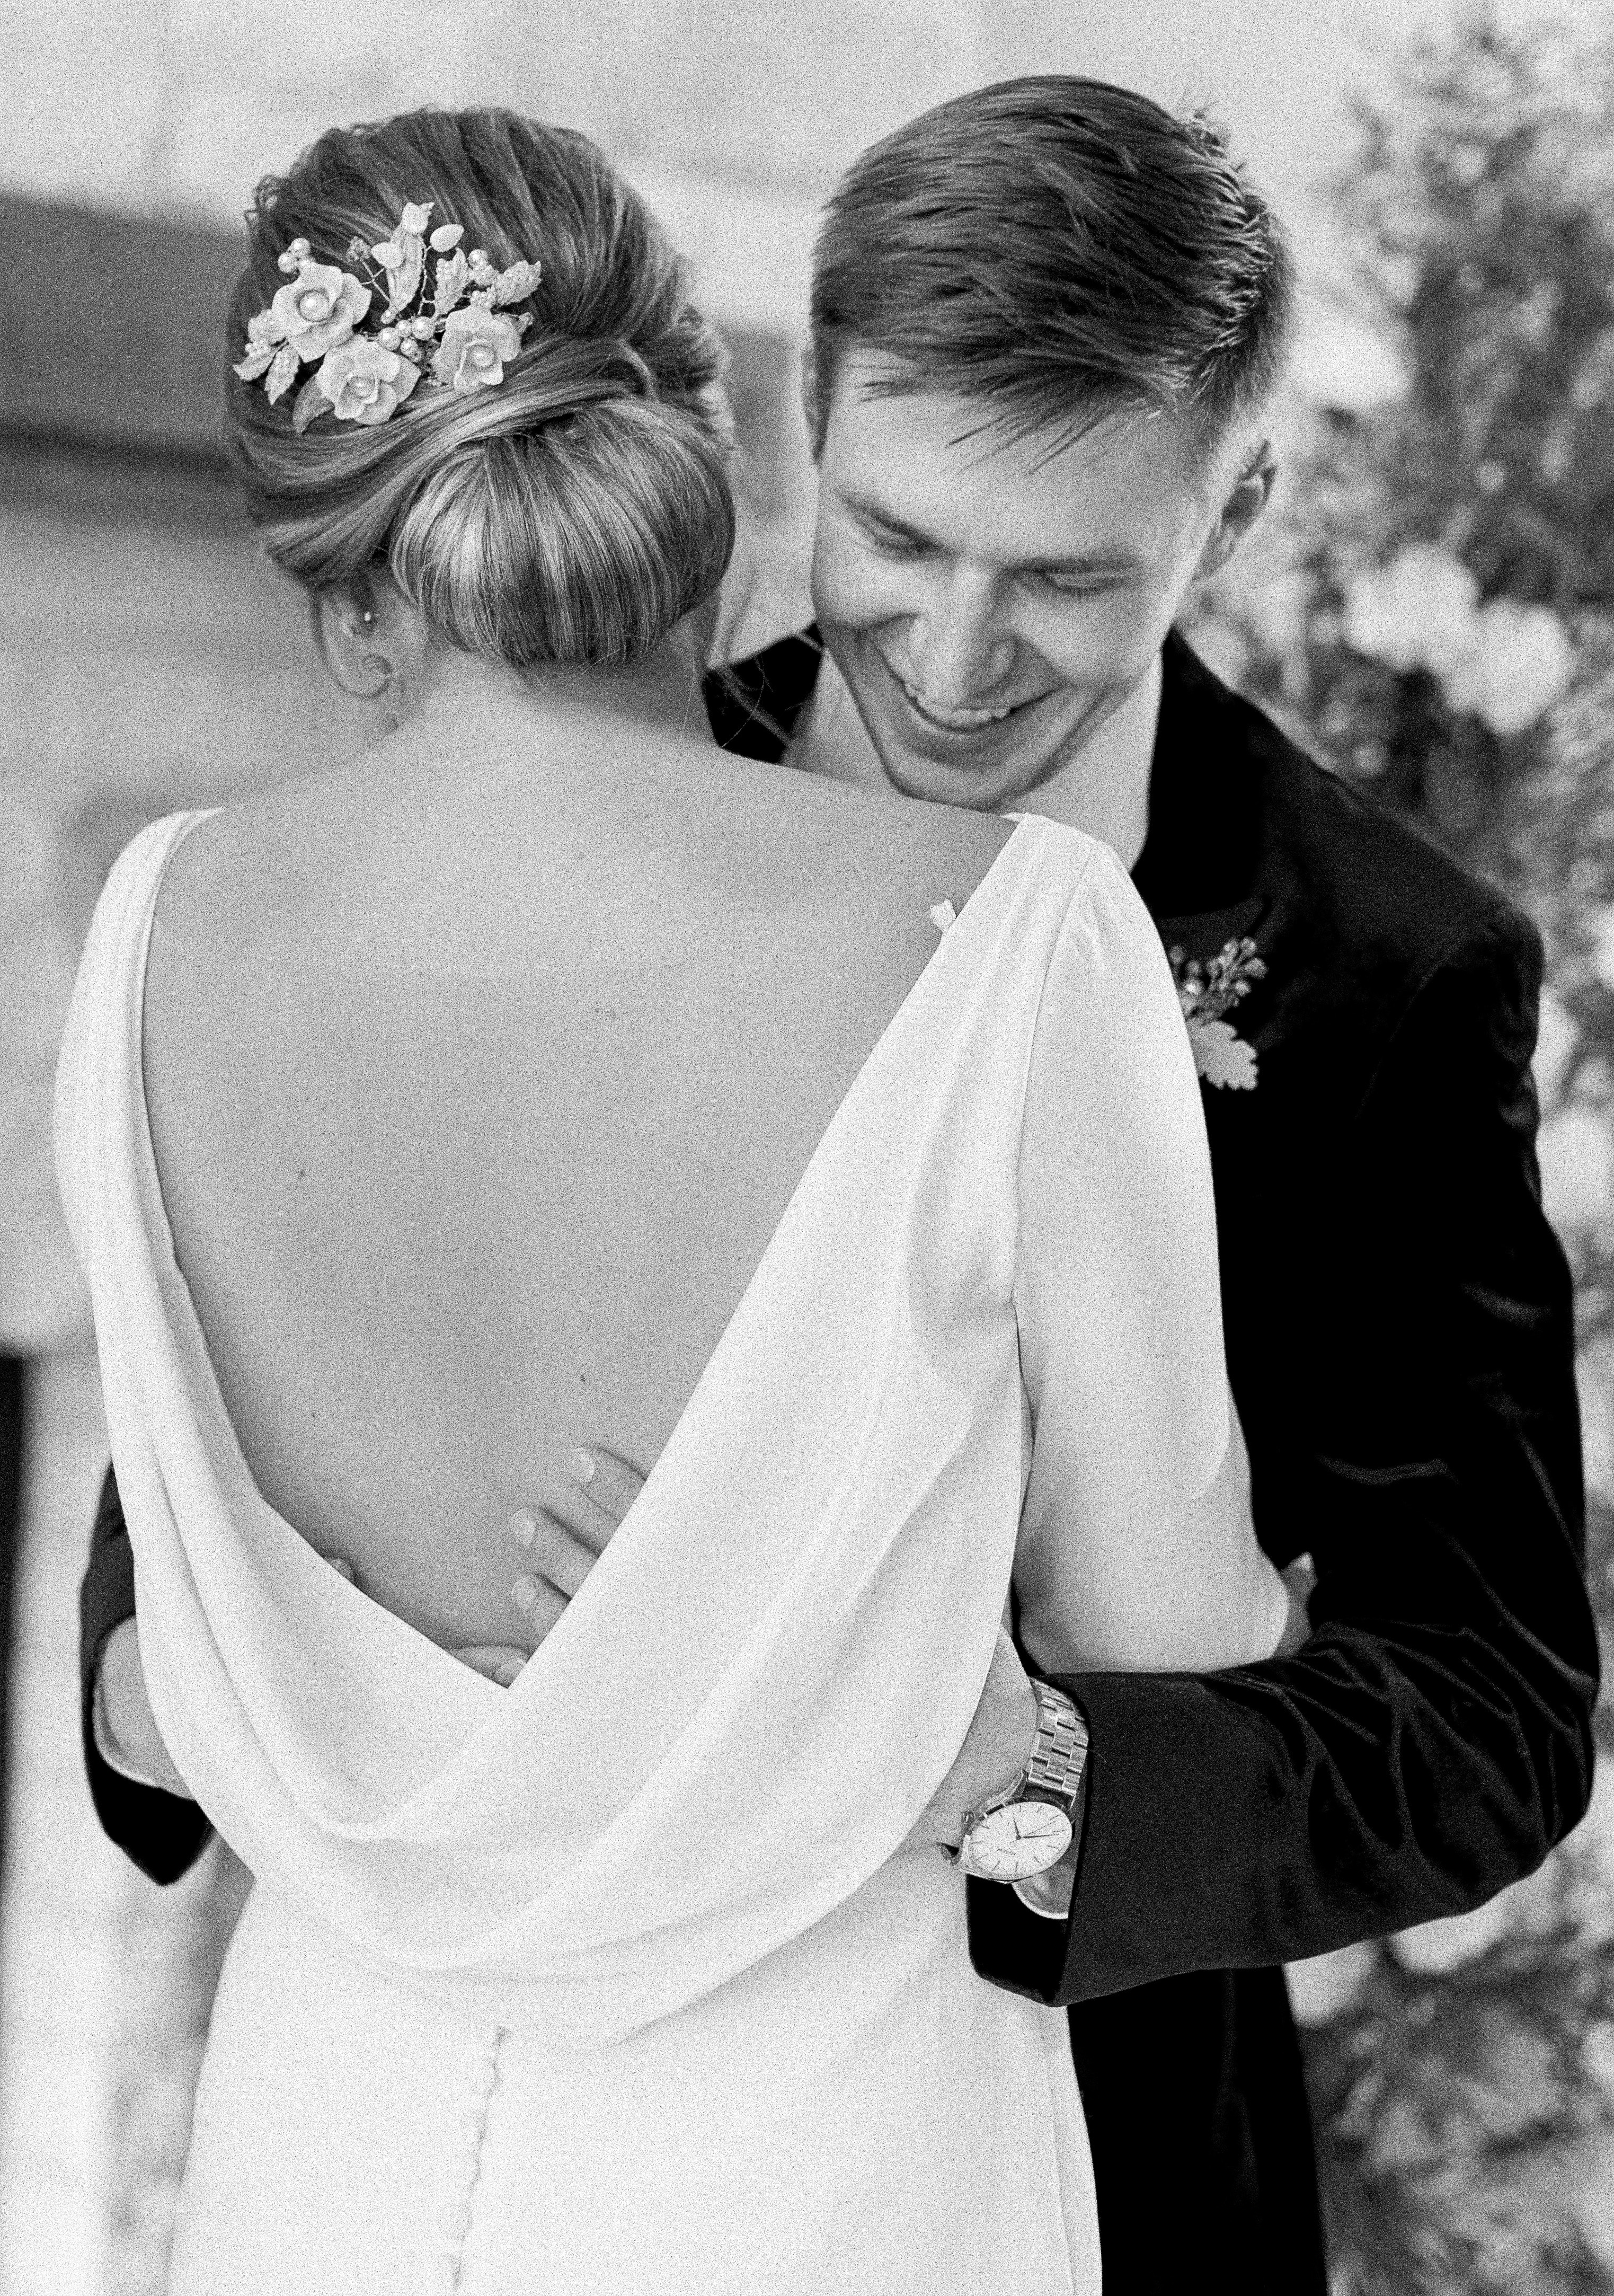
[(1245, 500), (812, 405)]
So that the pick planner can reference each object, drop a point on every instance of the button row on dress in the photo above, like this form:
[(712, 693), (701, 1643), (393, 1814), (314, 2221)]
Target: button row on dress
[(455, 2220)]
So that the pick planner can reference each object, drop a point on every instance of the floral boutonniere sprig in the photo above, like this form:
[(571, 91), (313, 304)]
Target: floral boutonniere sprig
[(1207, 993), (456, 315)]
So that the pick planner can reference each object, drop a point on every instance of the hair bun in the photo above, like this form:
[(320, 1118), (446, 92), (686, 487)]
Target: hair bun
[(575, 513), (581, 534)]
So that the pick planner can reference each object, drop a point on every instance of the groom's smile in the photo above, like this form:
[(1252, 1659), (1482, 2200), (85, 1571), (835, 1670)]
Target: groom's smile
[(955, 728), (992, 601)]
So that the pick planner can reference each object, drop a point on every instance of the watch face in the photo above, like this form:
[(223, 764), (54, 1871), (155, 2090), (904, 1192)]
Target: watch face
[(1022, 1839)]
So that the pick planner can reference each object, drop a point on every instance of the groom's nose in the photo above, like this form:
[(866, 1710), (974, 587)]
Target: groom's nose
[(959, 647)]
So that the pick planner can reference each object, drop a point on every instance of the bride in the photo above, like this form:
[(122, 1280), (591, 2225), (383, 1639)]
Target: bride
[(638, 1974)]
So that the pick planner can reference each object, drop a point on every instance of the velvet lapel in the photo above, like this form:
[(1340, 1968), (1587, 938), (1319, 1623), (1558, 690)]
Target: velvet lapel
[(753, 705), (1198, 872)]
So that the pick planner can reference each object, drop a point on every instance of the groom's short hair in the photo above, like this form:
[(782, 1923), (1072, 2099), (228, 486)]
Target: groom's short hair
[(1057, 250)]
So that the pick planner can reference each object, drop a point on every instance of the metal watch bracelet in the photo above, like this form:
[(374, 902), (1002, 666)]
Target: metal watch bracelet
[(1058, 1751)]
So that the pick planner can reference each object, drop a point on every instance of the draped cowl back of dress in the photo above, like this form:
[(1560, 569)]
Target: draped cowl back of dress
[(706, 1773)]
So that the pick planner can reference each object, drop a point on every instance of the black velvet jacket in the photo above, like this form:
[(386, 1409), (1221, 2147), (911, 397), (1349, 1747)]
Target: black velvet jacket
[(1400, 1341)]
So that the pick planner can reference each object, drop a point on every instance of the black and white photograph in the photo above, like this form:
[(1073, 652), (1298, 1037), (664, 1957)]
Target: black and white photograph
[(806, 1148)]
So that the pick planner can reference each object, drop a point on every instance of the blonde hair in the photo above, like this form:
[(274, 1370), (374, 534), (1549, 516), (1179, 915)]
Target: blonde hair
[(575, 511)]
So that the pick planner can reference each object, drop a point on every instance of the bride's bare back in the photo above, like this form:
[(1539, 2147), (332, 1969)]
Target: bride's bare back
[(479, 1075)]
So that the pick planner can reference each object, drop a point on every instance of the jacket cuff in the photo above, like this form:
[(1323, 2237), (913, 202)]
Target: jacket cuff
[(161, 1833)]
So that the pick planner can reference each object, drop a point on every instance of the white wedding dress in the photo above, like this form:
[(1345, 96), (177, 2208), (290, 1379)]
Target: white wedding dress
[(620, 1983)]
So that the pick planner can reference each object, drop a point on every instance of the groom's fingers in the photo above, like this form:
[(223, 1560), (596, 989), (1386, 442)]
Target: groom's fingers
[(554, 1550), (609, 1483), (539, 1603), (560, 1557)]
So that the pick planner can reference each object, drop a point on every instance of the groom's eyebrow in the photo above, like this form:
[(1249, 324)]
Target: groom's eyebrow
[(1116, 559)]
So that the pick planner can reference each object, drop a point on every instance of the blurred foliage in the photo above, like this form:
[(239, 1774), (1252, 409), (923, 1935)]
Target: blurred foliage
[(1479, 217), (1463, 2075)]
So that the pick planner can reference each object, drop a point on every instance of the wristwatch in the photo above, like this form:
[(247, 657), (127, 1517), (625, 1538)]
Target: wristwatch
[(1027, 1827)]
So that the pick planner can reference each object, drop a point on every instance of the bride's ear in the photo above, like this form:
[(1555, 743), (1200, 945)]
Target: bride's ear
[(362, 637)]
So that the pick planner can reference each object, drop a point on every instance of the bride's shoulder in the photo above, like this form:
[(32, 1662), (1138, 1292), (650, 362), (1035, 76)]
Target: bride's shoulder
[(862, 845), (262, 860)]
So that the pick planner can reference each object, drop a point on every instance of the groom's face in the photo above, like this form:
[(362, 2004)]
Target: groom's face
[(990, 602)]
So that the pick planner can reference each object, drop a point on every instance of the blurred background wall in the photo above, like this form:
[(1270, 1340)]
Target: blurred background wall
[(149, 659)]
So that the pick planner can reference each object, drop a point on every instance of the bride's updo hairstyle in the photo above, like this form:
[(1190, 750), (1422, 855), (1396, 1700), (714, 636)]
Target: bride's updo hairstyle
[(575, 511)]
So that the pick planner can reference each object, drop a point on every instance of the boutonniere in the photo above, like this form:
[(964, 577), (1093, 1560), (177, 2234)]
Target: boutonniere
[(1207, 993)]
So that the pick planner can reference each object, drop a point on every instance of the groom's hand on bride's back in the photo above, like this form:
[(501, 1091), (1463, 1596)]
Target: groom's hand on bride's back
[(560, 1553)]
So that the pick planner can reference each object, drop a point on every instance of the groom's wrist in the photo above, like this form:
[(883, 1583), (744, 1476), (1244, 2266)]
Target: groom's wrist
[(1049, 1894), (105, 1737), (122, 1724)]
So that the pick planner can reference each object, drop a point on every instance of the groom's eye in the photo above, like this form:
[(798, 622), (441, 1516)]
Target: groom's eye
[(893, 542), (1072, 586)]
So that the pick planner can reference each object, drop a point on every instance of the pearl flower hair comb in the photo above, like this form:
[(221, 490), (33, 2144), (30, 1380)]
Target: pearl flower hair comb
[(462, 331)]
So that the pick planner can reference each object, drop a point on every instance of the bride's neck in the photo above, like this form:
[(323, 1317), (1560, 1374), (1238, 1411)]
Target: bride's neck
[(661, 691)]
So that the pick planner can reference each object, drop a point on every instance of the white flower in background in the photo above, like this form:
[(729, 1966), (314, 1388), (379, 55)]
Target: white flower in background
[(1342, 365), (1505, 662), (1576, 1167), (1418, 612), (1517, 666), (1330, 1983)]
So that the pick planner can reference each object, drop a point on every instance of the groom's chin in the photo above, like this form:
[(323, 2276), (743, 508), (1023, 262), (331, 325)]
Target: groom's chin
[(986, 776), (983, 775), (983, 785)]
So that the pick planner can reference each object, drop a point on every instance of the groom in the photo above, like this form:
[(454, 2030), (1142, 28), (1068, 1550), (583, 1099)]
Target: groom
[(1045, 320)]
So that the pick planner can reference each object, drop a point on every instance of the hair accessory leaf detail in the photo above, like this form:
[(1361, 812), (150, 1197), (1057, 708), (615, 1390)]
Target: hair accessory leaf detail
[(516, 285), (365, 375), (282, 370)]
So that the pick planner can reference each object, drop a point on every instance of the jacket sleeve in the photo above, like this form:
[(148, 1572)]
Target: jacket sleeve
[(163, 1834), (1432, 1740)]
